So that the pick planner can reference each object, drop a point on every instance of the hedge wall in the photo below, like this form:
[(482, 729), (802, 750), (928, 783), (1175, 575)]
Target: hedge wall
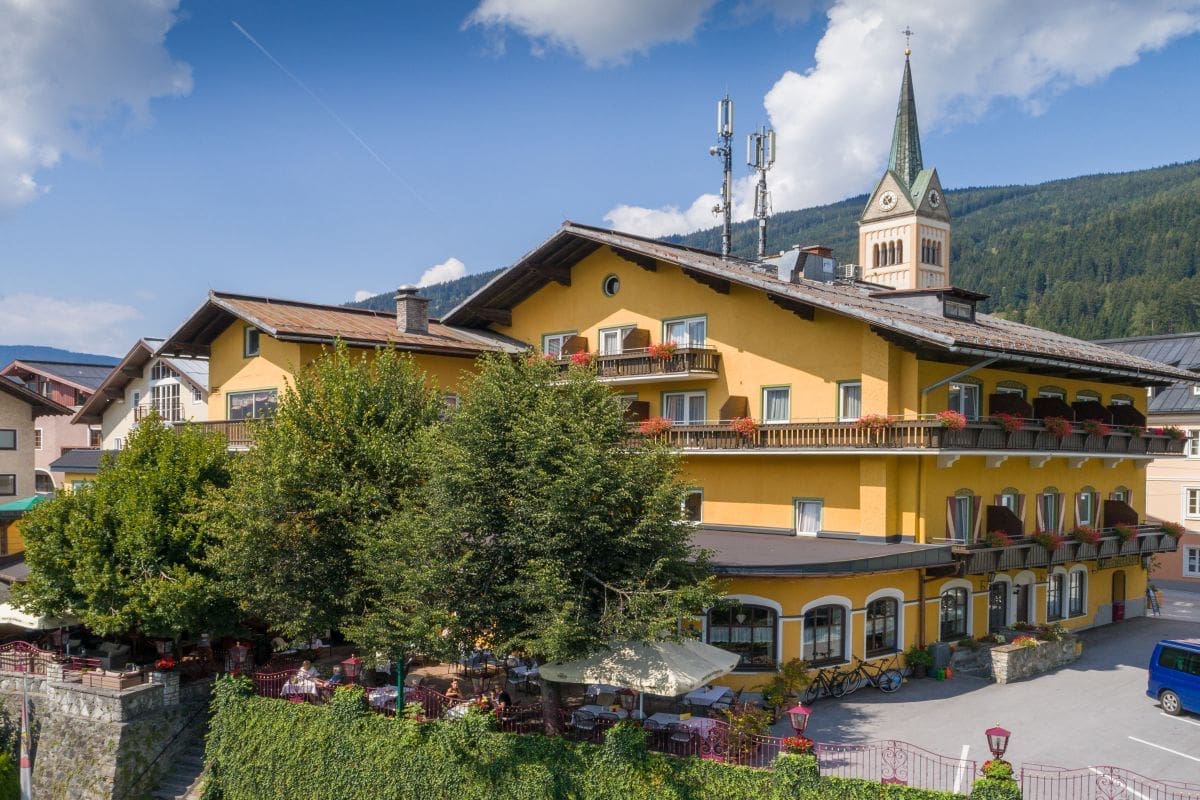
[(266, 748)]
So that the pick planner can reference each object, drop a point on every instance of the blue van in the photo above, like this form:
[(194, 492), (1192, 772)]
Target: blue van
[(1175, 675)]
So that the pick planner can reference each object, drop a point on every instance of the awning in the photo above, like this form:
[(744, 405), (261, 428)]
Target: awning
[(662, 668), (11, 615), (17, 508)]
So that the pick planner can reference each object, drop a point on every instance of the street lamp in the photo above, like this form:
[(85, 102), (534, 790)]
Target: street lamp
[(997, 739), (798, 715), (238, 656), (352, 668)]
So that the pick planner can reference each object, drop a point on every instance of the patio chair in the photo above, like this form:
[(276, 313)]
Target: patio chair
[(725, 705), (682, 739), (584, 723), (609, 716)]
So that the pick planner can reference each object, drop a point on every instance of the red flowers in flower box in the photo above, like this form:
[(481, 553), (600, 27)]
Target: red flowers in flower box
[(1124, 532), (745, 426), (1048, 539), (1085, 534), (654, 426), (953, 420), (664, 350), (996, 539), (582, 359), (1010, 423), (1058, 426), (798, 744), (1095, 427)]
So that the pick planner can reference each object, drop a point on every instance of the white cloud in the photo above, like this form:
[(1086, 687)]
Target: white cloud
[(833, 122), (598, 32), (68, 70), (90, 326), (448, 270), (363, 294)]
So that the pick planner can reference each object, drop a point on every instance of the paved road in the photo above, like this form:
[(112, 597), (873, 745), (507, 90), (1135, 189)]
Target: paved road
[(1092, 712), (1181, 603)]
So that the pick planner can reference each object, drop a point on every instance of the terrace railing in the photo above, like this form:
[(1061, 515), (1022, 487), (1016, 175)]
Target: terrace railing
[(896, 762), (632, 365), (1043, 782), (25, 657), (1026, 553), (237, 432)]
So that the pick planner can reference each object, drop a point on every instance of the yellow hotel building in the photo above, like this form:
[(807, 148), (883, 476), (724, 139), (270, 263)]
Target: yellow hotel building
[(847, 518)]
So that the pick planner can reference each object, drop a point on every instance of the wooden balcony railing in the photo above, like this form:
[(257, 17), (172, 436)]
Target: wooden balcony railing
[(168, 411), (912, 434), (634, 364), (1026, 553), (237, 432)]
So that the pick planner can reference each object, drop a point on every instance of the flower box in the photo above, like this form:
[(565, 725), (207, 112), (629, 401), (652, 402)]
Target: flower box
[(104, 679)]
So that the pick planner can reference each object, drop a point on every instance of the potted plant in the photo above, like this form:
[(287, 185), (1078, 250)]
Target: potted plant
[(995, 539), (873, 422), (1124, 532), (1009, 423), (783, 689), (1058, 426), (1173, 529), (743, 426), (1085, 535), (798, 745), (1051, 540), (952, 420), (1095, 427), (919, 659), (662, 351), (583, 359), (654, 426)]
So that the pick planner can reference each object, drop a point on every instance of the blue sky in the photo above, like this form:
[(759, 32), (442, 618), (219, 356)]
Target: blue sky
[(150, 152)]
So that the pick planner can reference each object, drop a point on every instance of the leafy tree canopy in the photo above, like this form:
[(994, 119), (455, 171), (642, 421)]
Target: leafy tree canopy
[(124, 553)]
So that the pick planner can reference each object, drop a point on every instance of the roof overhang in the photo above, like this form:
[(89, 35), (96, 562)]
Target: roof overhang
[(39, 406), (750, 552), (113, 387)]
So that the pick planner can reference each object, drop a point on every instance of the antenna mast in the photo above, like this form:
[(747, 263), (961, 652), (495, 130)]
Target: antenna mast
[(724, 148), (760, 154)]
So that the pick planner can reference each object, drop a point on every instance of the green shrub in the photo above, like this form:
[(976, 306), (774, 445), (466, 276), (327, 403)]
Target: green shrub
[(996, 789), (10, 779)]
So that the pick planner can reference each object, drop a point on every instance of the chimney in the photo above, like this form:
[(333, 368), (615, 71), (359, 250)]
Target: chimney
[(412, 311)]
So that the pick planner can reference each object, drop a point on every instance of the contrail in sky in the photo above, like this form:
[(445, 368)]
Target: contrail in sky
[(332, 113)]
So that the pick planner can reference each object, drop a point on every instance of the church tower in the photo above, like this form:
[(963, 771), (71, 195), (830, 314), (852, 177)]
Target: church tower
[(904, 232)]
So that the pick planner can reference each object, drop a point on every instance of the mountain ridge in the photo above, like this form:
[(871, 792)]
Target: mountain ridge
[(38, 352)]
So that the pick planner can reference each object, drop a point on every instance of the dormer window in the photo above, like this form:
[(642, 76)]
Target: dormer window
[(957, 309), (250, 343)]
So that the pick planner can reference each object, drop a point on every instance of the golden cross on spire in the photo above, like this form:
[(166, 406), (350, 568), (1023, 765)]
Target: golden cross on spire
[(908, 32)]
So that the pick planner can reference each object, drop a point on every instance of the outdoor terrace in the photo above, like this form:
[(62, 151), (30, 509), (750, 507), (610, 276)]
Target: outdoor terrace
[(647, 365), (1026, 553)]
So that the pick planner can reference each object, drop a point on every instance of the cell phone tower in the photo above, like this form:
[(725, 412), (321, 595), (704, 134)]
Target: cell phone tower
[(760, 154), (724, 148)]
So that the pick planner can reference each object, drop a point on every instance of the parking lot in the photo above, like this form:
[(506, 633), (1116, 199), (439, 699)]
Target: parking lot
[(1093, 712)]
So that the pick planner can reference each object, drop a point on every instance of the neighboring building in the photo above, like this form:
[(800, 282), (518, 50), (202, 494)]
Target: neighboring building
[(255, 344), (21, 410), (1172, 484), (67, 385), (78, 467), (176, 389), (846, 517)]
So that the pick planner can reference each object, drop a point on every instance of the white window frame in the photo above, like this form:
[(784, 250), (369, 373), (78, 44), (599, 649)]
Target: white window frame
[(765, 405), (687, 398), (1120, 401), (1059, 575), (1013, 390), (1091, 502), (1052, 393), (964, 390), (621, 332), (842, 387), (1056, 497), (797, 506), (249, 331), (1083, 573), (1193, 443), (197, 395), (37, 438), (964, 527), (1010, 500), (685, 340), (1191, 502), (558, 338), (1191, 553)]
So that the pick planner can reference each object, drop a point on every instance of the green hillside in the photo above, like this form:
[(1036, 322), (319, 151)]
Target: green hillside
[(1095, 256)]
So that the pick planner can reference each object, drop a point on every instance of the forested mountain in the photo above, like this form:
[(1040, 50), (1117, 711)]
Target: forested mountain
[(36, 352), (1095, 257)]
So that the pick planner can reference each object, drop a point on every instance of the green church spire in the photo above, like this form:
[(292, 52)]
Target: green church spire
[(905, 160)]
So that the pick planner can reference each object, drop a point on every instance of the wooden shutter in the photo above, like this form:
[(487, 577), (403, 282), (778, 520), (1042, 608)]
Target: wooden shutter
[(1062, 512), (951, 515), (977, 516), (1079, 507), (1021, 509), (1041, 518)]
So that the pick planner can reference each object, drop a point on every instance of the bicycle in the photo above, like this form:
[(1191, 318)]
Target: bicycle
[(824, 682), (882, 675)]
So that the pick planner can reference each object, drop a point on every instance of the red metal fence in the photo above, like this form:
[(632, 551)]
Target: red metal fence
[(895, 762), (1044, 782), (25, 657)]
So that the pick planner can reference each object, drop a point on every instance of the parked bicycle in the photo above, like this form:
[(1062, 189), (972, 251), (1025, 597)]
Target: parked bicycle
[(883, 675), (822, 684)]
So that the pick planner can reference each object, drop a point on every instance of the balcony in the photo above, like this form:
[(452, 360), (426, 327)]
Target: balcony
[(1025, 553), (167, 410), (914, 435), (644, 366), (238, 433)]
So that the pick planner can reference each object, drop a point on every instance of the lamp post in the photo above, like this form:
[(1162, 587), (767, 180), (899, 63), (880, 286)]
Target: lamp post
[(352, 668), (798, 715), (237, 658), (997, 739)]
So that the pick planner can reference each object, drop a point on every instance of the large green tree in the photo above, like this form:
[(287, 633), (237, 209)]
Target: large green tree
[(125, 553), (538, 526), (333, 465)]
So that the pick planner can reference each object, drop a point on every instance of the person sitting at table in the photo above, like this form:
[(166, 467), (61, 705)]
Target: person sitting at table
[(307, 671), (503, 703), (454, 693), (337, 678)]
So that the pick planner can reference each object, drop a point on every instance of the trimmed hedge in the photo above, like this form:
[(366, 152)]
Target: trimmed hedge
[(259, 747)]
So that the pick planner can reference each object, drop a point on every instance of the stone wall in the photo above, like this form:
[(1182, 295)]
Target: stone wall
[(103, 744), (1013, 662)]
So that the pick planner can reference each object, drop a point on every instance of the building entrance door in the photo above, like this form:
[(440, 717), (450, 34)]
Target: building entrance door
[(1022, 592), (997, 606), (1118, 595)]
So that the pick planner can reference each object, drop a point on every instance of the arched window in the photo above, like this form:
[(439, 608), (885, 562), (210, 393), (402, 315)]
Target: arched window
[(891, 253), (937, 253), (1011, 387), (1121, 493), (899, 251), (1055, 585), (1051, 507), (1052, 391), (954, 614), (875, 250), (1077, 592), (883, 617), (1121, 400), (1086, 396), (824, 635), (1087, 503), (747, 630)]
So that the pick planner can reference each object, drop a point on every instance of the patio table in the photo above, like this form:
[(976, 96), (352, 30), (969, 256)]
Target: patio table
[(387, 694), (706, 697), (457, 712), (302, 686), (702, 725), (598, 710)]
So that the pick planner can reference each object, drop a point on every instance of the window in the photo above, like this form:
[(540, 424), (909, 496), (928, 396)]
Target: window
[(746, 630), (42, 483), (824, 635), (1193, 443), (964, 398), (552, 343), (450, 402), (164, 399), (777, 404), (8, 439), (1087, 397), (1085, 507), (954, 614), (161, 372), (137, 399), (1011, 388), (693, 505), (118, 444), (253, 405), (8, 485), (962, 515), (1179, 660), (1077, 593), (808, 516), (956, 309), (77, 485), (685, 408), (612, 340), (849, 401), (1010, 499), (1191, 561), (1121, 400), (37, 438), (1122, 494), (882, 618), (611, 285), (1050, 511), (1192, 503), (1054, 597), (197, 395), (689, 332), (95, 437), (1052, 391), (250, 345)]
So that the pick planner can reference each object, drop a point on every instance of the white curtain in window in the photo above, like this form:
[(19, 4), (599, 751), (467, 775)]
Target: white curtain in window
[(610, 343), (777, 405), (851, 401), (674, 407), (808, 517)]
